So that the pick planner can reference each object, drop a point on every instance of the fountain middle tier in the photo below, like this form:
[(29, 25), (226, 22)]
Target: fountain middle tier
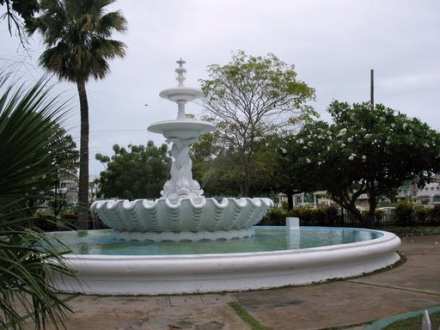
[(190, 219)]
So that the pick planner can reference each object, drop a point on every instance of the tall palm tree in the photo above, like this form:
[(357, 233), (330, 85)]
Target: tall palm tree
[(77, 34)]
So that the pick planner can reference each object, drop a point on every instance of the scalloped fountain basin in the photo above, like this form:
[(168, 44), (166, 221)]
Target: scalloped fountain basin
[(184, 219), (274, 257)]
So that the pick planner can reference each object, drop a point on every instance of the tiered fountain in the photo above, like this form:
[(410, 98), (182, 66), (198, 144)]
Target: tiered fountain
[(182, 213), (184, 242)]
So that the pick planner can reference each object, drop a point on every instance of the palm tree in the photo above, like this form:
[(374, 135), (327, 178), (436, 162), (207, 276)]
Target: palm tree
[(77, 34), (29, 125)]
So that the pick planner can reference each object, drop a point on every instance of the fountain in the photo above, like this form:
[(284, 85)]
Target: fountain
[(182, 213), (184, 242)]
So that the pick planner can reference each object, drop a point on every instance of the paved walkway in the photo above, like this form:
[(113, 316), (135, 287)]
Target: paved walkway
[(342, 304)]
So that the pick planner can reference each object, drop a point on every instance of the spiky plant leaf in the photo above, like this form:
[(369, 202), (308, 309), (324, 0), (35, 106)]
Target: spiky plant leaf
[(29, 125)]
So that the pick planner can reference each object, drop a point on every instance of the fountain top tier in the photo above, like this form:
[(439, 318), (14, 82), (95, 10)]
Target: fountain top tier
[(182, 132), (184, 127), (181, 94)]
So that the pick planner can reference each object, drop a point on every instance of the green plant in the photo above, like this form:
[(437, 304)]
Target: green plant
[(28, 259), (405, 214), (275, 217), (421, 215), (434, 216), (29, 122), (362, 152)]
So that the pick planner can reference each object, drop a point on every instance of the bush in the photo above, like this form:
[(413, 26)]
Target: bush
[(405, 214), (274, 217), (324, 216), (434, 216), (422, 215)]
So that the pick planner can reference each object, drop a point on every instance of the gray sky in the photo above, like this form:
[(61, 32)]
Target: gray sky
[(333, 44)]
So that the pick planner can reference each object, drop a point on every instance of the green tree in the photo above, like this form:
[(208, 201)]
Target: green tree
[(139, 172), (252, 97), (365, 152), (29, 124), (289, 177), (65, 156), (77, 35), (218, 170)]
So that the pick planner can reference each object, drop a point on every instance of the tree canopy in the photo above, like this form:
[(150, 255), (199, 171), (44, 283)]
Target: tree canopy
[(218, 170), (364, 151), (249, 98), (139, 172)]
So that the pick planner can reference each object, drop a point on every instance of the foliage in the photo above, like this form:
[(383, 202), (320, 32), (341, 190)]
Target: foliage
[(364, 151), (77, 34), (138, 172), (323, 216), (27, 133), (249, 98), (65, 161), (29, 125), (18, 11), (408, 214), (218, 168), (290, 177), (25, 271)]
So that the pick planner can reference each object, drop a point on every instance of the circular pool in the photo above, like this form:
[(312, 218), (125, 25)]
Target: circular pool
[(273, 257)]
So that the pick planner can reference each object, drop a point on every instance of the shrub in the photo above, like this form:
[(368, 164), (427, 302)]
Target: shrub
[(405, 214), (274, 217), (323, 216), (434, 216), (422, 215)]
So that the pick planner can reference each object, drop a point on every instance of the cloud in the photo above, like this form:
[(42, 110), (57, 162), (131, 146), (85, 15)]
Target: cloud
[(333, 45)]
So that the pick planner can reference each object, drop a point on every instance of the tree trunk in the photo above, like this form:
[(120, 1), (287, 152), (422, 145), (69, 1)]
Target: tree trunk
[(83, 192), (371, 216), (289, 200)]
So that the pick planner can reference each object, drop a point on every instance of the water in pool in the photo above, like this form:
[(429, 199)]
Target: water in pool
[(104, 242)]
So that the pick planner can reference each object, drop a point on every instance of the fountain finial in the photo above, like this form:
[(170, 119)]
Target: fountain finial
[(180, 72)]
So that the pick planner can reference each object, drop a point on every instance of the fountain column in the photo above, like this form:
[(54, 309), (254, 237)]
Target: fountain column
[(181, 132)]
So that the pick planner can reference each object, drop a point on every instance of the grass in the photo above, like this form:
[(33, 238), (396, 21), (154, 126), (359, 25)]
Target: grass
[(253, 323), (415, 323)]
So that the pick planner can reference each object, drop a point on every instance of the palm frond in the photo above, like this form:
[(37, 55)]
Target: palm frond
[(29, 127), (28, 122)]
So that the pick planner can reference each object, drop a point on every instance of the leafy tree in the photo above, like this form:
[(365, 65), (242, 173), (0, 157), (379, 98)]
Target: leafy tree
[(77, 35), (29, 124), (65, 158), (218, 170), (365, 151), (139, 172), (289, 176), (252, 97)]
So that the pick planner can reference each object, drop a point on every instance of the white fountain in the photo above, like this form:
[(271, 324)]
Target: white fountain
[(272, 257), (182, 213)]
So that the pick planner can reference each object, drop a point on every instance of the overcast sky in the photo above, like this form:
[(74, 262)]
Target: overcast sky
[(333, 44)]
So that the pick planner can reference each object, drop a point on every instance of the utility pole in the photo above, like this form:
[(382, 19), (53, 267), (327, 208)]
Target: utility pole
[(372, 89)]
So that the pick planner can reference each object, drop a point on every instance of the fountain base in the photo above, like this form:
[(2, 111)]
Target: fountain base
[(191, 219)]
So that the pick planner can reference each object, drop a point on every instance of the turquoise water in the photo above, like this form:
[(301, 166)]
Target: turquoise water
[(266, 239)]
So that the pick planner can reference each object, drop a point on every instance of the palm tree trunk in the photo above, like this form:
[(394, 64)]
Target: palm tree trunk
[(83, 191)]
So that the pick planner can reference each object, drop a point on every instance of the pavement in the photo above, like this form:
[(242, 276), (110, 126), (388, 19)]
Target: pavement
[(345, 304)]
